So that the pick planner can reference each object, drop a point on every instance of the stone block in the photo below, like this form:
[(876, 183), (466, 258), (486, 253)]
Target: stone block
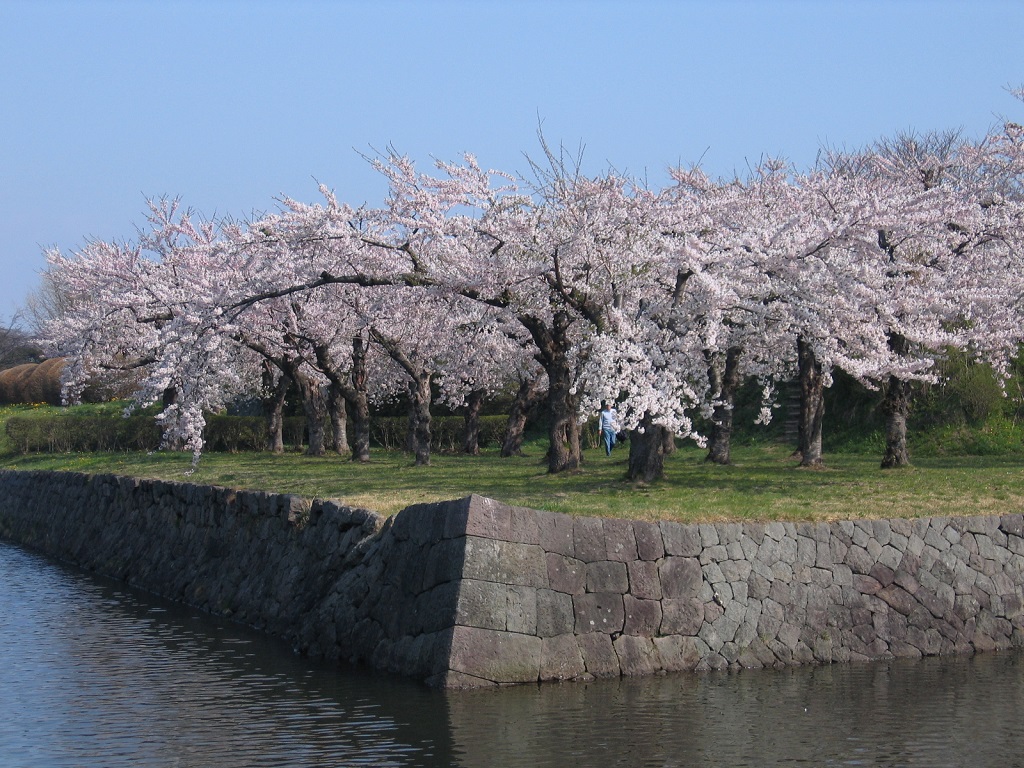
[(681, 616), (607, 576), (521, 610), (524, 525), (643, 617), (598, 612), (637, 655), (598, 654), (443, 562), (501, 657), (644, 580), (620, 542), (566, 574), (482, 604), (681, 577), (681, 540), (561, 658), (436, 609), (588, 539), (883, 574), (556, 533), (555, 614), (898, 598), (649, 543), (488, 519), (677, 653), (1012, 524), (505, 562)]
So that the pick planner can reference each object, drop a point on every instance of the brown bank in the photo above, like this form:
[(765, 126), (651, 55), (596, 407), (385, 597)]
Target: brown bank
[(473, 592)]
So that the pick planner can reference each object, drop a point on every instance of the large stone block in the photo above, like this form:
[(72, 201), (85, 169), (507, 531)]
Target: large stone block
[(521, 609), (643, 617), (598, 612), (566, 574), (681, 577), (644, 580), (505, 562), (443, 562), (555, 614), (561, 658), (607, 576), (682, 616), (682, 540), (501, 657), (556, 533), (637, 655), (598, 654), (677, 653), (588, 539), (620, 541), (482, 604), (649, 543)]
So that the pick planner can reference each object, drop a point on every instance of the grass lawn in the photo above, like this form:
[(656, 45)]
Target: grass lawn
[(762, 484)]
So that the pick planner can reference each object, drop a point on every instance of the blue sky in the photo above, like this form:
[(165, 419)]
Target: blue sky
[(229, 104)]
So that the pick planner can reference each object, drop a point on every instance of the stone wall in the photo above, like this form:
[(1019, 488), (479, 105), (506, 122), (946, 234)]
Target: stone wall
[(473, 592)]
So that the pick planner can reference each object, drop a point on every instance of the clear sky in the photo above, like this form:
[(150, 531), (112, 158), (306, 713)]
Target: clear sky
[(228, 104)]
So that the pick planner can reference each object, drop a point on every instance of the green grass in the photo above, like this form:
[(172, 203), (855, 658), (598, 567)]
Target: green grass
[(763, 484)]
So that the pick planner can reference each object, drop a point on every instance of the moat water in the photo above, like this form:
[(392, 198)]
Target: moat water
[(93, 673)]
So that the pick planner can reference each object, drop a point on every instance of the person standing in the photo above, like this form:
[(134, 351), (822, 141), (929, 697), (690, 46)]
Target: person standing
[(609, 426)]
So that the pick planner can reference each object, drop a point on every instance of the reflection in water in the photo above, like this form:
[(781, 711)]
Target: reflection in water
[(95, 674)]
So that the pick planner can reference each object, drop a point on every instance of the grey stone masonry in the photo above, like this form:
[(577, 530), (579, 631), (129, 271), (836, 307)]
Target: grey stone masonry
[(473, 592)]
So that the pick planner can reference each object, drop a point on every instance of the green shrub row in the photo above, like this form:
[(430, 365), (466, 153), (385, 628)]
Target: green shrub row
[(73, 433), (67, 433), (446, 432)]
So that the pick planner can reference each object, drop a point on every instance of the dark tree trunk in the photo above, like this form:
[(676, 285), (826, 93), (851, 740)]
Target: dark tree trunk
[(724, 384), (553, 343), (314, 406), (339, 420), (647, 453), (471, 434), (896, 406), (564, 452), (419, 419), (418, 437), (526, 398), (273, 408), (812, 405), (669, 443), (359, 403)]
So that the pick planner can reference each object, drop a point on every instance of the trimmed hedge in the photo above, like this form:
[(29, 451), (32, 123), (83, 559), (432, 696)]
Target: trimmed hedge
[(73, 434), (66, 433), (446, 432)]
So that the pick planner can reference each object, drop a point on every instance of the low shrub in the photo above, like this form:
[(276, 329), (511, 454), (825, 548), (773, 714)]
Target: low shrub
[(446, 432), (67, 433)]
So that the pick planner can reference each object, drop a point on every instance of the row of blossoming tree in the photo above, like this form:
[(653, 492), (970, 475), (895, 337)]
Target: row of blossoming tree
[(875, 262)]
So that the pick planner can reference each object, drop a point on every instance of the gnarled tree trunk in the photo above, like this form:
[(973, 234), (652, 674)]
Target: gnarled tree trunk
[(273, 407), (724, 383), (419, 419), (314, 406), (646, 453), (359, 403), (471, 434), (896, 406), (553, 343), (527, 397), (339, 419), (812, 404)]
